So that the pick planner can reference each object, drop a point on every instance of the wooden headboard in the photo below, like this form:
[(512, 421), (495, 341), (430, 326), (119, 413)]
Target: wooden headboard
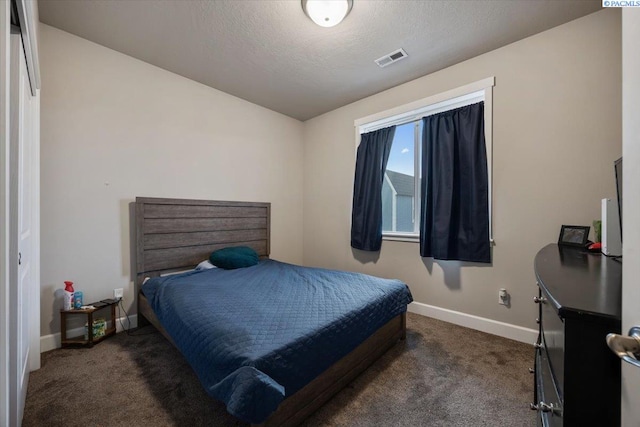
[(177, 234)]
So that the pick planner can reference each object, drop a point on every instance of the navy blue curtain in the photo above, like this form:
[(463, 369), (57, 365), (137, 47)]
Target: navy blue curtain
[(454, 223), (366, 215)]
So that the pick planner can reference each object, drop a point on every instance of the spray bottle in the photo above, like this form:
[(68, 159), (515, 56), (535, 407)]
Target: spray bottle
[(68, 296)]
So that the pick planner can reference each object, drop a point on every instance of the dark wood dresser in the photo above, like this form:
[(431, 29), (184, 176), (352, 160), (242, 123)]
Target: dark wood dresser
[(577, 377)]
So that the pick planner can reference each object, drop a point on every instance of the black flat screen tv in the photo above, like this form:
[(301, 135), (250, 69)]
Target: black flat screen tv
[(618, 167)]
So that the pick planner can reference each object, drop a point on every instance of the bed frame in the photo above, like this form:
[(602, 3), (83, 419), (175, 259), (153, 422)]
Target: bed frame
[(176, 234)]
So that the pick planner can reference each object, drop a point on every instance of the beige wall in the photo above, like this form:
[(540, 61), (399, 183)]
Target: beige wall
[(114, 128), (557, 131)]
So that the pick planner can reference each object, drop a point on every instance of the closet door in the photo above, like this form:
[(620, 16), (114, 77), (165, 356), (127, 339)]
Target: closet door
[(5, 55), (23, 282)]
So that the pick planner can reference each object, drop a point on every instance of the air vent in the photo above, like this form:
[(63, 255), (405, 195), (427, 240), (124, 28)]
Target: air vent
[(391, 58)]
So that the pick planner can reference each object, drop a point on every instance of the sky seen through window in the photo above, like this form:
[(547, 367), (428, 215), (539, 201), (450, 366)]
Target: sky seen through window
[(402, 150)]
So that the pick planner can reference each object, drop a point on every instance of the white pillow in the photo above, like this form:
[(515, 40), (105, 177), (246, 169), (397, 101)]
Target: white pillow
[(205, 265), (175, 272)]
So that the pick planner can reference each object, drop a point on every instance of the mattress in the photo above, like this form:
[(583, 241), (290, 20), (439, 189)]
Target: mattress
[(256, 335)]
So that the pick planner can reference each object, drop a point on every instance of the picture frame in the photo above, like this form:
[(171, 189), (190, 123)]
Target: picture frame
[(574, 235)]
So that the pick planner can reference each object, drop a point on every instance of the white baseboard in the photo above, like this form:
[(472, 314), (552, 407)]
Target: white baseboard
[(506, 330), (501, 329), (51, 342)]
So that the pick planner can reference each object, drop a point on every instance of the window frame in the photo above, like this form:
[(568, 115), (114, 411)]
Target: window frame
[(481, 90)]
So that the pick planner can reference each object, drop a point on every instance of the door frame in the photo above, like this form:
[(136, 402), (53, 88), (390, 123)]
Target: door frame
[(27, 15), (5, 52), (630, 384)]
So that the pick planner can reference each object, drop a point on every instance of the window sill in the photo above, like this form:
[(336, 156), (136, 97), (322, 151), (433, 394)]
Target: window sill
[(413, 238)]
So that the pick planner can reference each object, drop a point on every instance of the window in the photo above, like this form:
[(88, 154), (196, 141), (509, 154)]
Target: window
[(401, 186)]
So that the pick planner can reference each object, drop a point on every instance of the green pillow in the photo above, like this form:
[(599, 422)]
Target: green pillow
[(235, 257)]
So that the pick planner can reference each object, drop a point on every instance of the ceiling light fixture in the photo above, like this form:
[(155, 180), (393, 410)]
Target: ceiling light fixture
[(327, 13)]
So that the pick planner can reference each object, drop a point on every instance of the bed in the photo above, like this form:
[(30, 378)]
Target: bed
[(291, 366)]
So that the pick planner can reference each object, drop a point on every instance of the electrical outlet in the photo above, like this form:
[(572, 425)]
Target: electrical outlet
[(118, 293), (503, 297)]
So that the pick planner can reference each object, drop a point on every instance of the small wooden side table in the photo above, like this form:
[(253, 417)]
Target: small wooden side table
[(80, 340)]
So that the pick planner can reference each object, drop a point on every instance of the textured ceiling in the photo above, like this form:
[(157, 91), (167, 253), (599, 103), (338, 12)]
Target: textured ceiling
[(268, 52)]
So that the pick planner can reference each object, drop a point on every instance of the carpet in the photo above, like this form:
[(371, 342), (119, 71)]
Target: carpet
[(442, 375)]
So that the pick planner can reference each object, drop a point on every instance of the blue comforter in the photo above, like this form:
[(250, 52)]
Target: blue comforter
[(256, 335)]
